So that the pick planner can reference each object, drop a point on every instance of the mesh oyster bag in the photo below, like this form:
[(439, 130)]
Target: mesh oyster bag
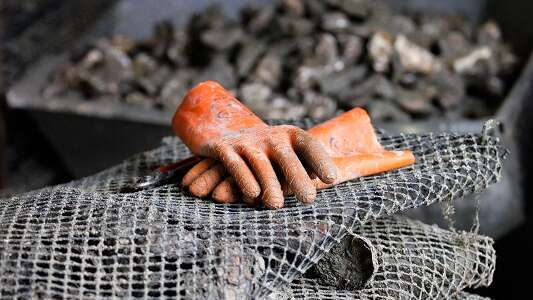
[(404, 259), (85, 239)]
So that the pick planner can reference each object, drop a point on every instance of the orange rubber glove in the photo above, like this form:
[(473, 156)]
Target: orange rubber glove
[(213, 123), (349, 139)]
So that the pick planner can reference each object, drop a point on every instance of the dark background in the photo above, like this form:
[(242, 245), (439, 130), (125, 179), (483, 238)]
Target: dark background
[(30, 29)]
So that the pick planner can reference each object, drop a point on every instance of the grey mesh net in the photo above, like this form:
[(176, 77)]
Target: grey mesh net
[(85, 239), (410, 260)]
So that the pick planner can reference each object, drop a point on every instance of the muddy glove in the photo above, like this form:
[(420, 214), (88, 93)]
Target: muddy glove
[(212, 123), (349, 139)]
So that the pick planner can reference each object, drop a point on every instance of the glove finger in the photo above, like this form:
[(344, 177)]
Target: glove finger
[(226, 192), (196, 171), (295, 174), (309, 171), (315, 156), (271, 193), (204, 184), (251, 202), (238, 169)]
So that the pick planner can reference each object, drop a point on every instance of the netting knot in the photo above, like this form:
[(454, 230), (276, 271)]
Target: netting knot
[(491, 128)]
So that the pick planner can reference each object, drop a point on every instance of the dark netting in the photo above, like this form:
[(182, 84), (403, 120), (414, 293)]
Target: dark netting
[(85, 239), (410, 260)]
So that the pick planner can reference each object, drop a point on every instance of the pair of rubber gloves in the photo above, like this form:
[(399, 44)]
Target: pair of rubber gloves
[(246, 156)]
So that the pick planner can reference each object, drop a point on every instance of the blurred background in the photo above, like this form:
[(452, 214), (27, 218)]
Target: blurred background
[(86, 84)]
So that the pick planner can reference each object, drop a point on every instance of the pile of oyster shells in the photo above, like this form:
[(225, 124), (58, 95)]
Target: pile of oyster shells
[(310, 58)]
